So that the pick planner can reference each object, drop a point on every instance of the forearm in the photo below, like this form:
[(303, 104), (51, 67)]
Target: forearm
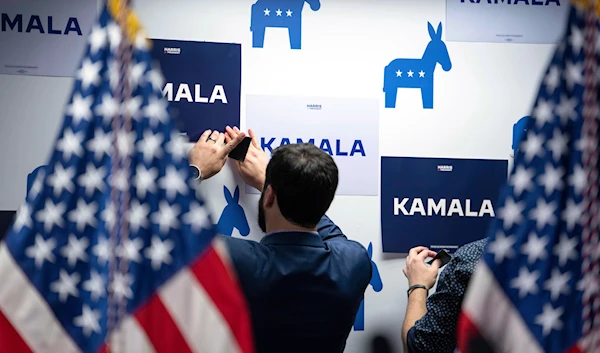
[(415, 310)]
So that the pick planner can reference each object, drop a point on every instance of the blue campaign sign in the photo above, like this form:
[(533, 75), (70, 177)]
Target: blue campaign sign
[(417, 72), (279, 14), (203, 83), (440, 203), (376, 284), (519, 130), (233, 215), (516, 21)]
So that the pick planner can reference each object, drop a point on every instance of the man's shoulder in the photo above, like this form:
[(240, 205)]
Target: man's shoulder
[(473, 251)]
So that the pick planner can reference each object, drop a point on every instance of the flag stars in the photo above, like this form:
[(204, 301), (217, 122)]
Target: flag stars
[(51, 215), (100, 145), (551, 179), (114, 35), (89, 321), (502, 247), (578, 179), (159, 252), (558, 144), (61, 179), (166, 217), (145, 180), (549, 319), (572, 214), (522, 180), (543, 112), (89, 74), (102, 251), (98, 39), (23, 218), (108, 108), (535, 248), (93, 179), (125, 141), (196, 218), (511, 213), (83, 215), (552, 79), (66, 285), (177, 148), (558, 284), (574, 75), (95, 286), (150, 146), (138, 216), (566, 109), (576, 40), (566, 249), (70, 144), (173, 183), (532, 146), (526, 282), (131, 248), (109, 216), (156, 111), (543, 213), (75, 250), (121, 286), (156, 78), (42, 250)]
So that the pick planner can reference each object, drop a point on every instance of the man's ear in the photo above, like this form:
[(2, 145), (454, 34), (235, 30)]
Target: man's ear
[(269, 198)]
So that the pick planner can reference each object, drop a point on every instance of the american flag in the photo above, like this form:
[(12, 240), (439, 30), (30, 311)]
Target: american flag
[(113, 248), (537, 286)]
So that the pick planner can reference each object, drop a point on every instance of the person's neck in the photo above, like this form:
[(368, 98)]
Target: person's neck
[(285, 225)]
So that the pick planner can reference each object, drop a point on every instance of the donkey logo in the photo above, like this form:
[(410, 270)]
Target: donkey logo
[(279, 14), (519, 131), (377, 284), (233, 216), (417, 73)]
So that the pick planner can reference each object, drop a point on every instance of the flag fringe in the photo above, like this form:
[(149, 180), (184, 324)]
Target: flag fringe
[(127, 20), (588, 5)]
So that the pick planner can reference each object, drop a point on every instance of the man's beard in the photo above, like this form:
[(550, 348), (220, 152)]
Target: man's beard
[(261, 214)]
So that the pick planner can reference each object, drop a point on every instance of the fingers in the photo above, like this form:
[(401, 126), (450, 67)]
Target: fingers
[(204, 136), (220, 139), (436, 264), (228, 136), (254, 140), (232, 144), (213, 136), (415, 251)]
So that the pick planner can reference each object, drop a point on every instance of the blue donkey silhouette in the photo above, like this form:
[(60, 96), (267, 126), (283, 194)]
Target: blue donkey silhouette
[(519, 131), (376, 283), (33, 175), (233, 215), (279, 14), (417, 73)]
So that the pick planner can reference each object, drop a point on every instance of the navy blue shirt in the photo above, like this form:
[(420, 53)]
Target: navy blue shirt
[(303, 288), (436, 330)]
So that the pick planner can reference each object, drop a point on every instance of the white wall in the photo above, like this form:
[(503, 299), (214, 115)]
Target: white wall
[(346, 45)]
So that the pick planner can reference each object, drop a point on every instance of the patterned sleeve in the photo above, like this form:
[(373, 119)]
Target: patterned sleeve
[(436, 330)]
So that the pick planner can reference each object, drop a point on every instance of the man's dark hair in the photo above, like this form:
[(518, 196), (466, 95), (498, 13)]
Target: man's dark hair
[(304, 179)]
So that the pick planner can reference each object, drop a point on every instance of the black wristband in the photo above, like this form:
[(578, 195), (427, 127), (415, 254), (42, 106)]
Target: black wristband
[(415, 286)]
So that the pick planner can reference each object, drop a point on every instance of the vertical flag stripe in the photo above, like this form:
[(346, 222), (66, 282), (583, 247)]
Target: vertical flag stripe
[(134, 338), (197, 317), (28, 312)]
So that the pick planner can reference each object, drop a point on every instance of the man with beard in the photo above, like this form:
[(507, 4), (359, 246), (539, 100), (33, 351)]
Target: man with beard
[(305, 280)]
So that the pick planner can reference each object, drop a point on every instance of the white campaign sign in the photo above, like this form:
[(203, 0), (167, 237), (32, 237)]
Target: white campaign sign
[(44, 38), (346, 128)]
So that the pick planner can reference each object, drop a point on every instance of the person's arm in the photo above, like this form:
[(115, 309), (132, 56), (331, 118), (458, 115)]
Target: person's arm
[(329, 230), (415, 310), (210, 152)]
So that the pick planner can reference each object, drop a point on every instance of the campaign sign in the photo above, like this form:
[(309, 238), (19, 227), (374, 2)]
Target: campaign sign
[(440, 203), (202, 83), (44, 38), (512, 21), (346, 128)]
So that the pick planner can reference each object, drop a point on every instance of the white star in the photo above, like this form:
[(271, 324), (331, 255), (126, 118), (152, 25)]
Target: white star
[(89, 74), (138, 216), (109, 216), (108, 108), (84, 214), (535, 248), (66, 285), (121, 286), (62, 179), (70, 144), (196, 218), (132, 107), (119, 180), (572, 214), (410, 73), (131, 249), (100, 145), (511, 213), (552, 79), (574, 75), (51, 215), (578, 179), (102, 250), (137, 72), (177, 147), (156, 78), (150, 146), (398, 73), (543, 213), (92, 179), (145, 180), (95, 285), (267, 12), (159, 252), (551, 179), (173, 183), (23, 218), (166, 217), (584, 142), (543, 112), (289, 13), (558, 284), (125, 142), (532, 146), (558, 144), (278, 12), (566, 249), (114, 35), (89, 321), (588, 285), (566, 108), (156, 111), (41, 251), (549, 319), (502, 247), (75, 250), (526, 282), (97, 39), (522, 180), (576, 40), (421, 73)]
